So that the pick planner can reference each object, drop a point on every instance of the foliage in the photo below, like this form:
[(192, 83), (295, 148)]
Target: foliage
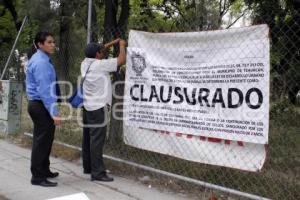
[(7, 31), (68, 19), (283, 19), (169, 16), (143, 18)]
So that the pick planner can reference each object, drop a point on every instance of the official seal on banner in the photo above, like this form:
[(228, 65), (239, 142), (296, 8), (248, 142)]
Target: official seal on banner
[(138, 63)]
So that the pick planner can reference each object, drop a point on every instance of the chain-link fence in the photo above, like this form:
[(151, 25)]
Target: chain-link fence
[(269, 170)]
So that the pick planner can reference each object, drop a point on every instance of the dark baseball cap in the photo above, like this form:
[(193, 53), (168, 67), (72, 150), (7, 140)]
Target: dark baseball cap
[(92, 48)]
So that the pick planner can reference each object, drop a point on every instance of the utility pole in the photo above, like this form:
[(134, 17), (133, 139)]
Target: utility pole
[(89, 22)]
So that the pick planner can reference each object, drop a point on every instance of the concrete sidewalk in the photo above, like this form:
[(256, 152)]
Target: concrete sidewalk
[(15, 181)]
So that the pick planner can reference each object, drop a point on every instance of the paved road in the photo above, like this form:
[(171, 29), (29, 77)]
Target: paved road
[(15, 181)]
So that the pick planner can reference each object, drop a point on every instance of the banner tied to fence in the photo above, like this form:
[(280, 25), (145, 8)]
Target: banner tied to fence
[(212, 84)]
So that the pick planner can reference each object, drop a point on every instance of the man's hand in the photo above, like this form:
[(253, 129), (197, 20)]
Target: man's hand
[(57, 120)]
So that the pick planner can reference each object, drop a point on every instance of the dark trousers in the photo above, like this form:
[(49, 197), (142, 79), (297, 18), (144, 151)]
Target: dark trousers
[(43, 135), (94, 133)]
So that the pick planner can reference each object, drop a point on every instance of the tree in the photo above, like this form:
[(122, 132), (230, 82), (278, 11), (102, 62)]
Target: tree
[(65, 30), (114, 28), (195, 15), (283, 19), (9, 25), (9, 4)]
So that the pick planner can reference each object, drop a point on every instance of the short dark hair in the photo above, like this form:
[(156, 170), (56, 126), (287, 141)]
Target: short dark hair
[(41, 37), (92, 49)]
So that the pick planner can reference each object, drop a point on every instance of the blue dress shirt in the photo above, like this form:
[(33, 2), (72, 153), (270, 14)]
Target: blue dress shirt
[(40, 80)]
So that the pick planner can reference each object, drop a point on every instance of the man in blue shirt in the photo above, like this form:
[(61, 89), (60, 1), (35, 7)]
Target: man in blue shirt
[(42, 108)]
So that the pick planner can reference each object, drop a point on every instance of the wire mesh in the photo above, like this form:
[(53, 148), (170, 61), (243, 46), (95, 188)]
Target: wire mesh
[(280, 175)]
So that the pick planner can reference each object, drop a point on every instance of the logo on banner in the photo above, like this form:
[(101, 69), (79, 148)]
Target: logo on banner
[(138, 63)]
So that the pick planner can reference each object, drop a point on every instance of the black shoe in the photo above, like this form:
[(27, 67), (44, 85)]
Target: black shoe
[(44, 183), (52, 174), (103, 178)]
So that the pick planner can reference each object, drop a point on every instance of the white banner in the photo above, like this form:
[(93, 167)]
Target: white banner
[(212, 84), (202, 96)]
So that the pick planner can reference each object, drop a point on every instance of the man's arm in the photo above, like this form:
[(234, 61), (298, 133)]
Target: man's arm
[(46, 90), (122, 54), (108, 45), (121, 59)]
